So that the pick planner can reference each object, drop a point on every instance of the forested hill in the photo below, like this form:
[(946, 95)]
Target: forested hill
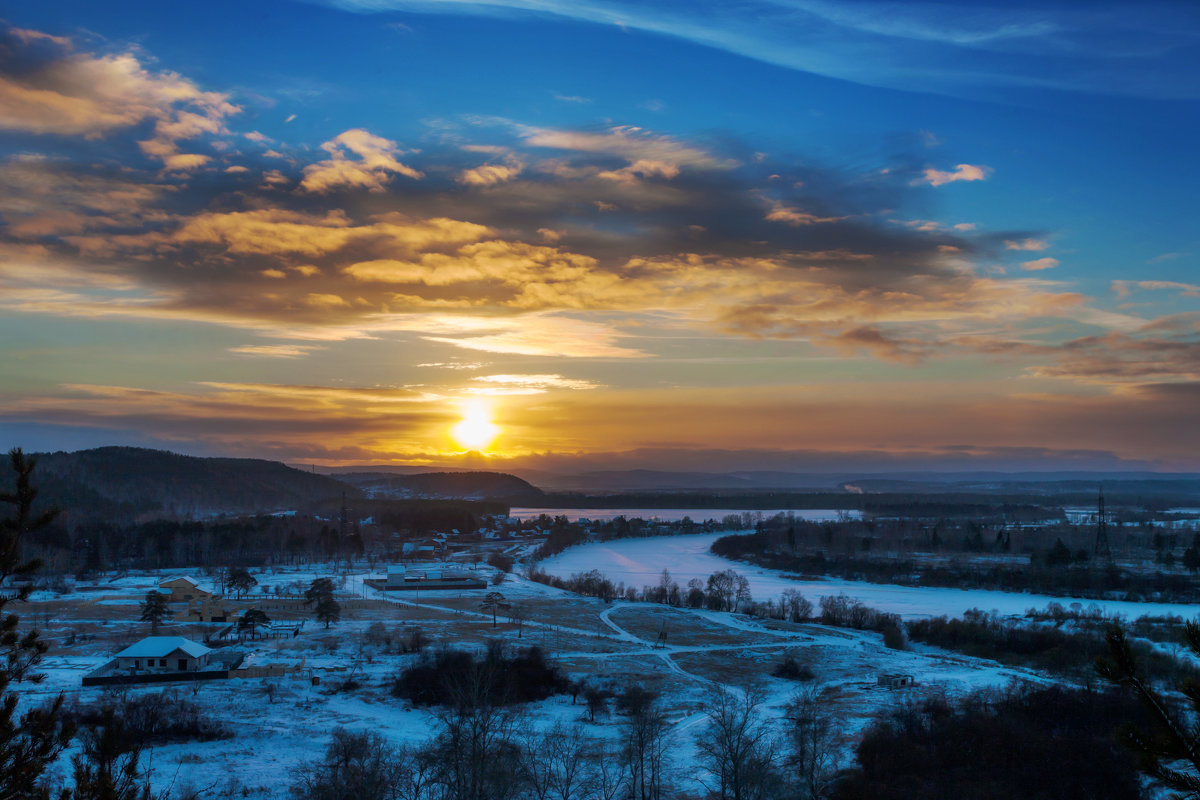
[(447, 485), (120, 484)]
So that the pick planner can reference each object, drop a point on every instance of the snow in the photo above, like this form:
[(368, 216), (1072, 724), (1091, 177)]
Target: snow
[(640, 562)]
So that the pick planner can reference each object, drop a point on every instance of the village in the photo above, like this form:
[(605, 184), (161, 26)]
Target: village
[(280, 670)]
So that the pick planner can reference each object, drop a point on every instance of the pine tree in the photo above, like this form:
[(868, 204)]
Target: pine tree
[(320, 593), (28, 744), (1174, 741), (241, 581), (154, 609)]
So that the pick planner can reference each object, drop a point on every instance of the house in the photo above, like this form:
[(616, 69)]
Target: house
[(206, 609), (163, 655), (182, 589), (401, 579)]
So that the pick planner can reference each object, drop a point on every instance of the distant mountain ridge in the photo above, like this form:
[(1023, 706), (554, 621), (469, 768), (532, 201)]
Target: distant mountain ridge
[(464, 485), (124, 483)]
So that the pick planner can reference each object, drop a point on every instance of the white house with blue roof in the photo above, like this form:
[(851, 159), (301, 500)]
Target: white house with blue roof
[(163, 654)]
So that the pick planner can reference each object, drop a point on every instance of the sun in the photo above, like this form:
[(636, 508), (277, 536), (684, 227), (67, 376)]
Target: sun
[(476, 430)]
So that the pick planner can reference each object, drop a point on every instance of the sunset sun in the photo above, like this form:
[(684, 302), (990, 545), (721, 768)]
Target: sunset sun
[(476, 430)]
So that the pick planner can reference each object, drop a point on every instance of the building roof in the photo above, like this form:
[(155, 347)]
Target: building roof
[(174, 578), (163, 646)]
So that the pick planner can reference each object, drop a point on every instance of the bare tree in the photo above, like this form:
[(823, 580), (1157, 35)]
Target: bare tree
[(517, 615), (815, 743), (644, 746), (361, 765), (475, 752), (607, 776), (738, 746)]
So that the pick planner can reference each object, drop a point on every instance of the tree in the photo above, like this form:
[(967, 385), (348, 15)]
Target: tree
[(328, 610), (737, 746), (814, 746), (241, 581), (320, 595), (597, 702), (493, 601), (1059, 555), (644, 744), (517, 614), (154, 609), (252, 618), (107, 768), (320, 587), (29, 744), (358, 765), (1170, 753), (476, 755)]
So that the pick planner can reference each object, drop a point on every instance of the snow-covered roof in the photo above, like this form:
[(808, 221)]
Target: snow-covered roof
[(174, 578), (163, 646)]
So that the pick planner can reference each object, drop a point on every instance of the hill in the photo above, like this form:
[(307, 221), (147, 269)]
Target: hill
[(446, 486), (125, 483)]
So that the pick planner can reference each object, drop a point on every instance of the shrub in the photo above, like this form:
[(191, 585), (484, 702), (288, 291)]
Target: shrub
[(791, 669), (519, 678)]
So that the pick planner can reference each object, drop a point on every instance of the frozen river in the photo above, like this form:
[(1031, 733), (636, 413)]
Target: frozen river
[(641, 561), (677, 514)]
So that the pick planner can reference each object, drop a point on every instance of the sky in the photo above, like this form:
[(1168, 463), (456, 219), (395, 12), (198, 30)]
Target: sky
[(705, 235)]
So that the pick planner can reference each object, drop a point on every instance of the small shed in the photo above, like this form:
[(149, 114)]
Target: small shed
[(163, 654), (895, 680)]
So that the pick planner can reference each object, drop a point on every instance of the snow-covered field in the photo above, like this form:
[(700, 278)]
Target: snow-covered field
[(677, 514), (640, 562), (282, 722)]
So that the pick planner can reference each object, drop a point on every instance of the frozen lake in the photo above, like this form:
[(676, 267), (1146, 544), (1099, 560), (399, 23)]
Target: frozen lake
[(641, 561), (677, 514)]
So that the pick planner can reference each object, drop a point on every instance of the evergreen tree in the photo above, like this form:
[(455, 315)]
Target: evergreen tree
[(240, 581), (328, 610), (30, 743), (1170, 753), (320, 595), (154, 609)]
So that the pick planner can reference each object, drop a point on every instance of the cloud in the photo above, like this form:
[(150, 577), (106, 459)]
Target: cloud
[(535, 335), (507, 384), (793, 216), (993, 51), (274, 350), (1039, 264), (962, 172), (47, 88), (372, 169), (655, 151), (490, 174), (1026, 244)]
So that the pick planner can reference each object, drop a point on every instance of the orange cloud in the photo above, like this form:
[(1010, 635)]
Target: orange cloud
[(961, 172), (372, 169)]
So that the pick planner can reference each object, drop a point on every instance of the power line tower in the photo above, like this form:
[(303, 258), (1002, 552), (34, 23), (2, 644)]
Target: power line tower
[(1102, 549), (344, 517)]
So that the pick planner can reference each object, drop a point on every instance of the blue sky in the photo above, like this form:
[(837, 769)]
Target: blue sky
[(614, 225)]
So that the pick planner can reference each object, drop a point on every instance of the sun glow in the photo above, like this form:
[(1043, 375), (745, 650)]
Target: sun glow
[(476, 430)]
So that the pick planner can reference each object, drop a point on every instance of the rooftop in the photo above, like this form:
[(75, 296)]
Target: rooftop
[(163, 646)]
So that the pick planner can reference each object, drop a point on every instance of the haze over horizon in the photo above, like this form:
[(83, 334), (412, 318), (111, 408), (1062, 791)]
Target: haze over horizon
[(777, 236)]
